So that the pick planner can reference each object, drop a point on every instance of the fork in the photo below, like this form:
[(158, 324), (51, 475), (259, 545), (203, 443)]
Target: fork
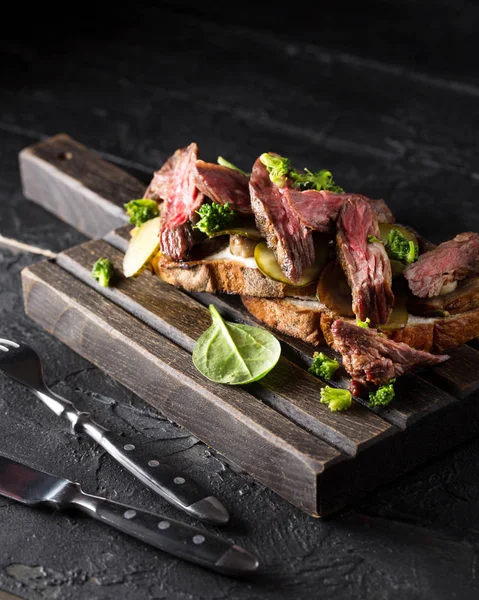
[(20, 362)]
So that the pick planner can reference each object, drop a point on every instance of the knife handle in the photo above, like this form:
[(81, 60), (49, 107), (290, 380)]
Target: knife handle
[(177, 488), (176, 538)]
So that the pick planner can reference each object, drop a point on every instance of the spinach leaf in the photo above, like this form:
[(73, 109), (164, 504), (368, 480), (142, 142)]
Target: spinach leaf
[(235, 354)]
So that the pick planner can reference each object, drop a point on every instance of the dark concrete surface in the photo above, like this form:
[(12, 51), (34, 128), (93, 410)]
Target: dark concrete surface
[(388, 121)]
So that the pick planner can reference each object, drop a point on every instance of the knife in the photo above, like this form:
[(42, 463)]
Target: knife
[(33, 487)]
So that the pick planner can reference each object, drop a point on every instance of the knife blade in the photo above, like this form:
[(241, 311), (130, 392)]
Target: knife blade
[(33, 487)]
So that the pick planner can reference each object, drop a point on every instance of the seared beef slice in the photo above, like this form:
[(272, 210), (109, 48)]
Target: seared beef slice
[(181, 204), (365, 264), (370, 357), (319, 210), (448, 262), (224, 185), (290, 240)]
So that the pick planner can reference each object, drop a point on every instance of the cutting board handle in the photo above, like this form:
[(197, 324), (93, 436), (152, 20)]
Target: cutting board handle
[(77, 185)]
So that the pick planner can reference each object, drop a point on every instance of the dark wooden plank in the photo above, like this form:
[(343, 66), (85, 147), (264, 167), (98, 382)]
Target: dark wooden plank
[(459, 374), (243, 429), (176, 315), (77, 185)]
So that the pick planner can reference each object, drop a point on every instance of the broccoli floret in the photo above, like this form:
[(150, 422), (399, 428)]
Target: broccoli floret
[(363, 324), (141, 211), (383, 395), (102, 271), (322, 366), (214, 217), (373, 238), (321, 180), (225, 163), (336, 399), (400, 248), (280, 169)]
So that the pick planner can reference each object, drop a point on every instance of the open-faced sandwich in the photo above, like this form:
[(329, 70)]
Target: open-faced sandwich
[(310, 260)]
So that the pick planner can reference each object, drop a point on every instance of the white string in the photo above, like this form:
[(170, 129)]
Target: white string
[(26, 247)]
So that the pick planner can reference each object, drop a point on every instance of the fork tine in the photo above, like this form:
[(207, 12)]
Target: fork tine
[(9, 343), (4, 348)]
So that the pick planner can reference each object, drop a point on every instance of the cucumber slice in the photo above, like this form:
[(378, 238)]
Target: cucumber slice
[(268, 265), (142, 247)]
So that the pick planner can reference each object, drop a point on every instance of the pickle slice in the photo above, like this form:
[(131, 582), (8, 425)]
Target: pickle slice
[(385, 228), (248, 232), (142, 247), (399, 316), (268, 265)]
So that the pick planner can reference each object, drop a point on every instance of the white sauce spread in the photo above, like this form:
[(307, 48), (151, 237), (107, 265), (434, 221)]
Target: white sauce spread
[(226, 254)]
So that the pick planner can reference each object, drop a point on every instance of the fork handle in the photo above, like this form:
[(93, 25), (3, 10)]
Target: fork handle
[(176, 487)]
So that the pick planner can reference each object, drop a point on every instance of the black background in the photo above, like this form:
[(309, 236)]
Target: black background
[(385, 94)]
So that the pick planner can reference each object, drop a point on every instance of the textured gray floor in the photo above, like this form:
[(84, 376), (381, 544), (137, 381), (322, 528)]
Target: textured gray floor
[(404, 134)]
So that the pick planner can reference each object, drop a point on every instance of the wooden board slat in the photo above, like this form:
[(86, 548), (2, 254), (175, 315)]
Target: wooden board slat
[(77, 185), (246, 431), (174, 314)]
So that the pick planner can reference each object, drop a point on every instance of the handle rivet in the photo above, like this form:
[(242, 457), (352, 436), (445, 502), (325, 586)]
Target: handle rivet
[(179, 480), (128, 447), (198, 539), (153, 463), (163, 524), (129, 514)]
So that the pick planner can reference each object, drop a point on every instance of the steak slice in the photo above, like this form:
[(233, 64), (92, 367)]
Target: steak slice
[(369, 357), (365, 264), (181, 204), (160, 184), (450, 261), (290, 240), (222, 184), (319, 210)]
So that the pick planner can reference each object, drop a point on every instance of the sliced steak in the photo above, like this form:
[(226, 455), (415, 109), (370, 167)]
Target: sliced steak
[(450, 261), (319, 210), (365, 264), (290, 240), (181, 204), (222, 184), (369, 357), (160, 184)]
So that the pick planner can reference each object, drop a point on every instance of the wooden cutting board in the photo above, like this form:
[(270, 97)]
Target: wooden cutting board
[(142, 331)]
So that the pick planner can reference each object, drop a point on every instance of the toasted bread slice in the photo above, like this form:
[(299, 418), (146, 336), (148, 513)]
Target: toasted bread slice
[(310, 321), (225, 276)]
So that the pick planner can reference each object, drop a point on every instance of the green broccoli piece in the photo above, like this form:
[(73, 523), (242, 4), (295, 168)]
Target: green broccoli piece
[(141, 211), (102, 271), (322, 366), (225, 163), (280, 169), (321, 180), (400, 248), (383, 395), (373, 238), (214, 217), (363, 324), (335, 398)]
